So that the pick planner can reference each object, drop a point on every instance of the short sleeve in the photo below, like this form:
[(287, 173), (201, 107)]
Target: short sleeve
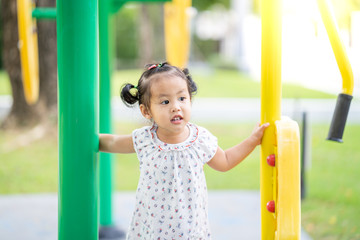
[(207, 144), (142, 142)]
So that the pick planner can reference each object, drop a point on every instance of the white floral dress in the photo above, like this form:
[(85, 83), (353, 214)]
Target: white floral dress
[(171, 198)]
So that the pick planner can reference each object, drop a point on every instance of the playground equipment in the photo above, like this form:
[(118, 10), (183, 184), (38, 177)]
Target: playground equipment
[(177, 40), (280, 148), (344, 99), (69, 38), (79, 66), (28, 45), (280, 157)]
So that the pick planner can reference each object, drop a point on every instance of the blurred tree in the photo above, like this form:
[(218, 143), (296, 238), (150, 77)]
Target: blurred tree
[(202, 5), (21, 114), (146, 35), (139, 35), (126, 43)]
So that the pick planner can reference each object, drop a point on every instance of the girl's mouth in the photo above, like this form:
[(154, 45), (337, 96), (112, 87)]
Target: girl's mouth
[(176, 119)]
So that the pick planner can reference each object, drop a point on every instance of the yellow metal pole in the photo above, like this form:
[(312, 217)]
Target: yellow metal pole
[(337, 46), (28, 45), (271, 16), (177, 32), (343, 102)]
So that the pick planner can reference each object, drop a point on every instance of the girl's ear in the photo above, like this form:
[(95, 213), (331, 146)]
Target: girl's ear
[(145, 111)]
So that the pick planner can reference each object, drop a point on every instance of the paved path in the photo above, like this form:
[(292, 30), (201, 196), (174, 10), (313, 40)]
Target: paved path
[(234, 215)]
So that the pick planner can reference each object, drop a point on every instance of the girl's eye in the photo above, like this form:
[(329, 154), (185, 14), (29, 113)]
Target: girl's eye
[(182, 98), (165, 102)]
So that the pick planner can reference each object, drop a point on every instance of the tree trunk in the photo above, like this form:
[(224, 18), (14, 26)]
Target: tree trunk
[(47, 64), (146, 36), (21, 114)]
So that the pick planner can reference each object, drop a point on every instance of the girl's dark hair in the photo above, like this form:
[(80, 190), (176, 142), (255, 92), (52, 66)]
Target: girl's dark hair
[(131, 94)]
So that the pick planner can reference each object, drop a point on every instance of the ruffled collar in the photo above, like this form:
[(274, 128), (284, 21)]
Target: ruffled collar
[(194, 133)]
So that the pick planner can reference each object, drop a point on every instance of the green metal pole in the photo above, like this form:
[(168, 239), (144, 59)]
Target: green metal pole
[(77, 31), (117, 4), (44, 13), (106, 160)]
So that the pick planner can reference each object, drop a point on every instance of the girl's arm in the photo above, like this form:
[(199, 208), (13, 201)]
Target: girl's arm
[(116, 143), (225, 160)]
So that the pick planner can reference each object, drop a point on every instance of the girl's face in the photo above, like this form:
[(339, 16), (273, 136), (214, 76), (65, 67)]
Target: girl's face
[(170, 106)]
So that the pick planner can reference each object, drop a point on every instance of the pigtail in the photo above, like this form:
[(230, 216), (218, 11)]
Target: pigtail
[(192, 85), (129, 94)]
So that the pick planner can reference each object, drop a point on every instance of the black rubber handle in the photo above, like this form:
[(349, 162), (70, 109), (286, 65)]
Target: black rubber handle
[(339, 118)]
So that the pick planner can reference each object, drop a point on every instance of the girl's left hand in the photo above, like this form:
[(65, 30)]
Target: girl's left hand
[(258, 132)]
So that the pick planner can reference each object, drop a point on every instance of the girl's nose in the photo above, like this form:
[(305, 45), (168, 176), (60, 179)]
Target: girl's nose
[(175, 108)]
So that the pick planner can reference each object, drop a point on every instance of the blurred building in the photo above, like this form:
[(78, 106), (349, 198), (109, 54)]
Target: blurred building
[(307, 57)]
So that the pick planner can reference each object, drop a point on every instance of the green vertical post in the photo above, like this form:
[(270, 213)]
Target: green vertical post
[(77, 31), (106, 51)]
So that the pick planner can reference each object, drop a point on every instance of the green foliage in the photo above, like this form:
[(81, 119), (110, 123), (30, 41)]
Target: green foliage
[(126, 43), (127, 31), (202, 5)]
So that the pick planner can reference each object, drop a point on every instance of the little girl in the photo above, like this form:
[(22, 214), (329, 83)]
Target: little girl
[(171, 198)]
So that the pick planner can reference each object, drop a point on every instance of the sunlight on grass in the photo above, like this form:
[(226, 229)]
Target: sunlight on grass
[(5, 88)]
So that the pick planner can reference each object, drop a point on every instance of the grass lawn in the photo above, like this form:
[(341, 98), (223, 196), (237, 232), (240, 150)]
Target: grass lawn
[(330, 211), (5, 88)]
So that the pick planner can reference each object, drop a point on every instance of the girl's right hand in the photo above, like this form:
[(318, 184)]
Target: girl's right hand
[(258, 133)]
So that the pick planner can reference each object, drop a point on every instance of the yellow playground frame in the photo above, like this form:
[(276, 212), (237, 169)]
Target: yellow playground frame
[(280, 149), (177, 39), (28, 45)]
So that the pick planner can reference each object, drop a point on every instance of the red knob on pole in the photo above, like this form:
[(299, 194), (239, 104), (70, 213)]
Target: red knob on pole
[(271, 160), (270, 206)]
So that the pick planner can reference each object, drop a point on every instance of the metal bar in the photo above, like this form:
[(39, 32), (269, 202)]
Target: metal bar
[(105, 112), (44, 13), (77, 32), (117, 4), (337, 46), (177, 32), (271, 17), (28, 46), (125, 1)]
